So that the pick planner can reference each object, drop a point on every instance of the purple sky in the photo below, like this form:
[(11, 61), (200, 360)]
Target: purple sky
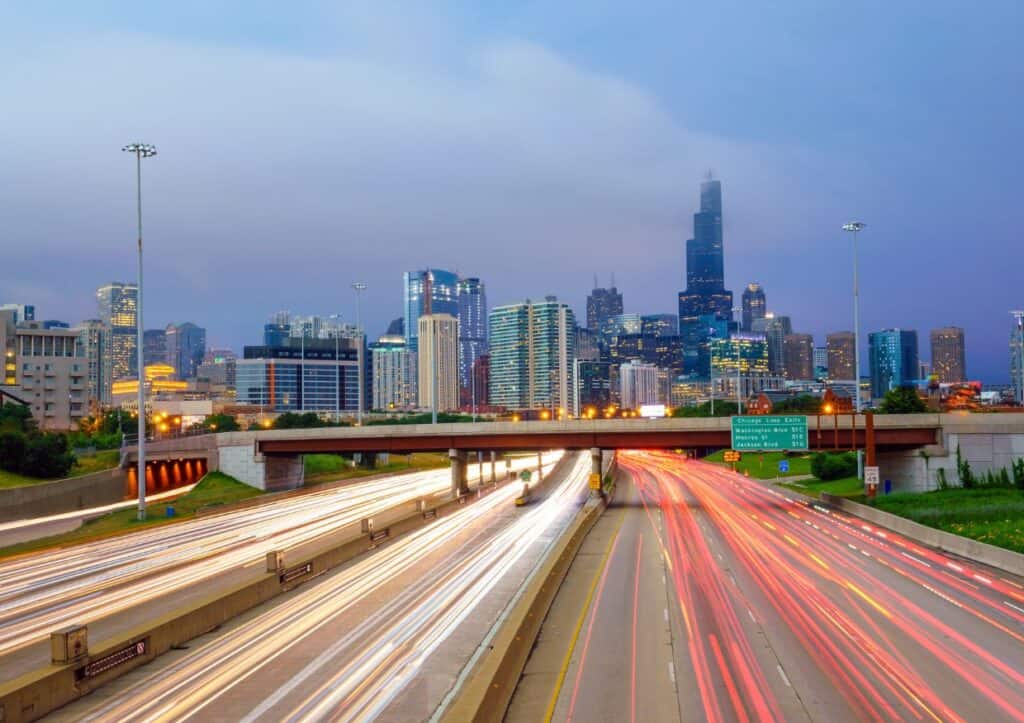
[(303, 147)]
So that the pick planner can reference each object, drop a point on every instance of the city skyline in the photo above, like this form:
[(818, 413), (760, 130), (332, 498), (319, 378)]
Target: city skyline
[(793, 178)]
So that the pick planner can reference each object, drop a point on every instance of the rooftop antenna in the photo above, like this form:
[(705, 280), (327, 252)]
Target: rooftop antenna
[(613, 279), (595, 281)]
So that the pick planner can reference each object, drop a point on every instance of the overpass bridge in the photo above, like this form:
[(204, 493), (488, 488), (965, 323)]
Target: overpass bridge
[(910, 448)]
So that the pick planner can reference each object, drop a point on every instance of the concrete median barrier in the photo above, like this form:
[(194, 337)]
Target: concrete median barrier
[(997, 557), (491, 683)]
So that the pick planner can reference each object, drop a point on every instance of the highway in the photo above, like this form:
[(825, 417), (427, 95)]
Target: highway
[(97, 583), (382, 638), (722, 599)]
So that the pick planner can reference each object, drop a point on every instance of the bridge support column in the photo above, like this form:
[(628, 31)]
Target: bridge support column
[(540, 466), (595, 460), (458, 461), (508, 468), (494, 458)]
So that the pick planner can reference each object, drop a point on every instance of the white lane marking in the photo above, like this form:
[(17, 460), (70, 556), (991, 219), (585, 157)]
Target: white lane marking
[(920, 562), (666, 614), (751, 614), (954, 566), (784, 678), (663, 579), (672, 672), (1007, 602), (865, 553), (985, 580)]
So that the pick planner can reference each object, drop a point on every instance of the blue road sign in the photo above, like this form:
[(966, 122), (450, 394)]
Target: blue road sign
[(783, 465)]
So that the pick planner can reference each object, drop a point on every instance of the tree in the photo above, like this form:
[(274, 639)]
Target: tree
[(723, 408), (802, 404), (827, 466), (902, 400), (221, 423), (16, 418)]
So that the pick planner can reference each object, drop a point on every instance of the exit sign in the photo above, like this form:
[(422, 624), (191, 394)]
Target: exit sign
[(769, 433)]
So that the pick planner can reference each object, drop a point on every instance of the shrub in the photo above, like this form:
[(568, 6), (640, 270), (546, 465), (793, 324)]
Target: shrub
[(826, 466), (12, 450), (46, 455)]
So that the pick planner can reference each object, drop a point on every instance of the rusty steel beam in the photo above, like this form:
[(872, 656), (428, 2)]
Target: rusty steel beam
[(640, 439)]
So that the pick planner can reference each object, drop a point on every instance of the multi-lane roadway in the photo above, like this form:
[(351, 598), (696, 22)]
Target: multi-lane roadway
[(722, 599), (114, 583), (383, 638)]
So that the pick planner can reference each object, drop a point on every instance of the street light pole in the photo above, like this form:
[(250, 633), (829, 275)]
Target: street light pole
[(1019, 316), (359, 287), (855, 227), (141, 150), (736, 345)]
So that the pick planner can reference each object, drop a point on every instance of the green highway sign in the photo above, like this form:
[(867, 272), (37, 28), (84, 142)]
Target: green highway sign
[(769, 433)]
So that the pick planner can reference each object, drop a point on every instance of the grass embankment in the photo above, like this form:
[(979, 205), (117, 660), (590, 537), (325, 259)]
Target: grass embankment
[(988, 514), (766, 465), (330, 467), (846, 487), (86, 464), (214, 490)]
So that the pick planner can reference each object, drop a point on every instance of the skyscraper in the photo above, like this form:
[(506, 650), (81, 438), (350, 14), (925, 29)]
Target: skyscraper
[(798, 351), (93, 340), (602, 303), (394, 374), (472, 299), (154, 346), (776, 329), (840, 346), (705, 292), (533, 349), (893, 354), (431, 291), (1017, 358), (820, 362), (186, 347), (118, 307), (439, 334), (754, 305), (638, 385), (948, 362)]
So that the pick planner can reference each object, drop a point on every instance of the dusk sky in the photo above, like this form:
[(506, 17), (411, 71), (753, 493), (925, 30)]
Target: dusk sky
[(306, 145)]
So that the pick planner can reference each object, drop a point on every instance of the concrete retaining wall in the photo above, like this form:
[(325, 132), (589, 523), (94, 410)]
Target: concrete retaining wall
[(66, 495), (1006, 560)]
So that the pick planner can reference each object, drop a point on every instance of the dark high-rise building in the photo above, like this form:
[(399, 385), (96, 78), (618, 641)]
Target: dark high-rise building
[(798, 350), (276, 333), (754, 305), (472, 317), (705, 293), (154, 346), (588, 347), (840, 346), (659, 325), (893, 354), (594, 385), (431, 291), (948, 358), (396, 327), (602, 303), (186, 347)]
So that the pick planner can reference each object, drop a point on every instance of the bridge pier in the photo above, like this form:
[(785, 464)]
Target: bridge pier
[(595, 460), (458, 462), (494, 457), (540, 467)]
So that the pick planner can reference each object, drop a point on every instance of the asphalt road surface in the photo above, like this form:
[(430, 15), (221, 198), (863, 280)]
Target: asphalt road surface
[(722, 599), (116, 583)]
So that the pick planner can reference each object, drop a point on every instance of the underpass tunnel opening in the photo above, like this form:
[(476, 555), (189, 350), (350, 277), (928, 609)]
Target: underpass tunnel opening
[(167, 474)]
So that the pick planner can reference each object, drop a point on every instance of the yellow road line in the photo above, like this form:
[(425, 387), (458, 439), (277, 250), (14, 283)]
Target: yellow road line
[(549, 714)]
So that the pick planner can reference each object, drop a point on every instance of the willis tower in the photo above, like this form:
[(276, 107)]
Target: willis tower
[(705, 307)]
